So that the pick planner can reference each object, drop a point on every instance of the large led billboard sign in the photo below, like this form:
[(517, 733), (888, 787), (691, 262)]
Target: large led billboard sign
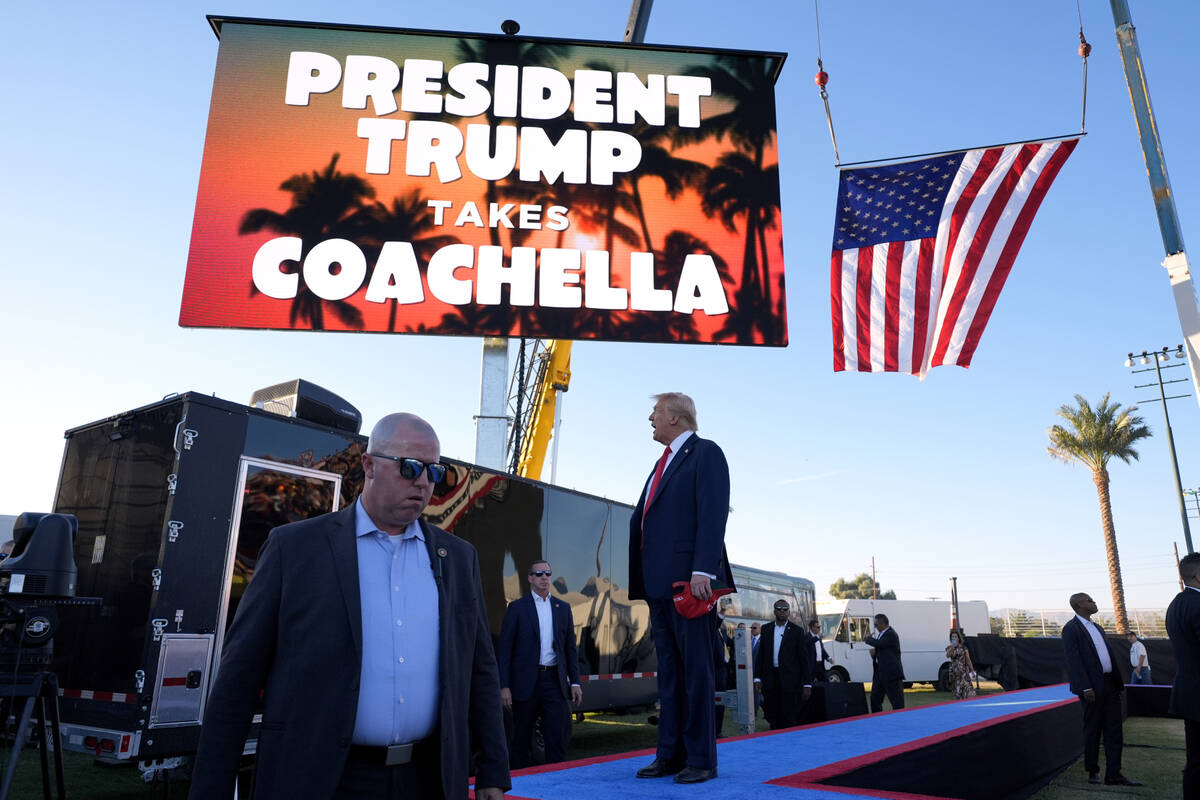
[(391, 181)]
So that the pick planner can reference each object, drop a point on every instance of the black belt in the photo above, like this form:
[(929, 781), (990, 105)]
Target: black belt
[(544, 668), (389, 756)]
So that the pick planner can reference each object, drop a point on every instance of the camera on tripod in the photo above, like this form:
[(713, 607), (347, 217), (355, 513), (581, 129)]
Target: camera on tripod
[(39, 575)]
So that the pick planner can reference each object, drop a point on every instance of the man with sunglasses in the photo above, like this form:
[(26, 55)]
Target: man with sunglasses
[(364, 632), (539, 668), (677, 535)]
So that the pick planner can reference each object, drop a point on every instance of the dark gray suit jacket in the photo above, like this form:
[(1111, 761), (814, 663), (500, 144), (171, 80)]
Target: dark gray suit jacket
[(1183, 626), (297, 637)]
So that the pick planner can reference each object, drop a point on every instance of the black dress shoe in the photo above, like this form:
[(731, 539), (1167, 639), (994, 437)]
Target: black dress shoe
[(1121, 780), (695, 775), (659, 768), (1093, 777)]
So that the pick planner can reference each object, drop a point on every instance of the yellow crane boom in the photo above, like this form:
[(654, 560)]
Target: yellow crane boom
[(553, 375)]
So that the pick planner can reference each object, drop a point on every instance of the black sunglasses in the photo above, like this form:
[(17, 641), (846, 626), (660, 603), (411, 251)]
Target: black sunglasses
[(541, 573), (411, 468)]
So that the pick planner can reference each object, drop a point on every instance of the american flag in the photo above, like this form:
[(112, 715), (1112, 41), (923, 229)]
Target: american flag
[(922, 248)]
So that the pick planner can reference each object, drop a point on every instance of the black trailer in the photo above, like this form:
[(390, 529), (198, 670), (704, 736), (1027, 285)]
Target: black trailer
[(174, 500)]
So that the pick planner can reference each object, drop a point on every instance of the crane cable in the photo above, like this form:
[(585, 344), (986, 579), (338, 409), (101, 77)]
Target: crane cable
[(822, 78), (1084, 51)]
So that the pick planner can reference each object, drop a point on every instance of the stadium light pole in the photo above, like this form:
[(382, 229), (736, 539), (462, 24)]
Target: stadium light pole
[(1159, 358)]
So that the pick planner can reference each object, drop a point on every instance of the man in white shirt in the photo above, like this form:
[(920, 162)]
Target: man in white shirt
[(1092, 667), (1139, 662), (539, 668)]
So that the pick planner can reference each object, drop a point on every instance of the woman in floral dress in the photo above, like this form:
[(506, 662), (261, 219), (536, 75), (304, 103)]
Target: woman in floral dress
[(962, 671)]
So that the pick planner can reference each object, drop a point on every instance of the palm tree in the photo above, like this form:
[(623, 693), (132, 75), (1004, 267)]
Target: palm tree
[(326, 204), (1092, 437)]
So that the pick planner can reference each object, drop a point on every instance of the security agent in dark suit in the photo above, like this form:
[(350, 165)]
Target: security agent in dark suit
[(1092, 668), (817, 647), (1183, 628), (724, 666), (887, 670), (539, 668), (365, 633), (677, 533), (783, 669)]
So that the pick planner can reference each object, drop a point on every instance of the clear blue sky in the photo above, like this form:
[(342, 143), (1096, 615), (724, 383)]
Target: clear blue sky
[(105, 107)]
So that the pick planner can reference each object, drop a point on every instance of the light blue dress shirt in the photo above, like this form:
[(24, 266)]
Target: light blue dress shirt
[(398, 693)]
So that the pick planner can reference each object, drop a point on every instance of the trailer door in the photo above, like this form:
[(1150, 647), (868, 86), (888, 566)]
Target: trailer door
[(269, 494)]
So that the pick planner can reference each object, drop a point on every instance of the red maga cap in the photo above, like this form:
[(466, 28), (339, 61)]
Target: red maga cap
[(691, 607)]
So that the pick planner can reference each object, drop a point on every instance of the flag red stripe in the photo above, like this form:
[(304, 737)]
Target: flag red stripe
[(979, 242), (987, 163), (921, 303), (862, 309), (1009, 254), (891, 317), (835, 302)]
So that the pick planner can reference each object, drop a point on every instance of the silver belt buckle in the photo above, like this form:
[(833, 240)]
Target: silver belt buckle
[(398, 754)]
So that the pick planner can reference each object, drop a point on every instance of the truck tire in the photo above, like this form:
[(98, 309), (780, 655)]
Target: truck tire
[(837, 675), (943, 681)]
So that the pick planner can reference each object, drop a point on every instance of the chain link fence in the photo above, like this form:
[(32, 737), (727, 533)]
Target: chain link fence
[(1145, 622)]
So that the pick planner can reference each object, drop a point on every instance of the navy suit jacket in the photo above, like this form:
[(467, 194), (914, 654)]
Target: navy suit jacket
[(297, 639), (521, 646), (888, 666), (684, 527), (1083, 664), (1183, 626)]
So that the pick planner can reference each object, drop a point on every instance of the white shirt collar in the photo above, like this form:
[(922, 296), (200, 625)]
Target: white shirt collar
[(537, 598), (677, 442)]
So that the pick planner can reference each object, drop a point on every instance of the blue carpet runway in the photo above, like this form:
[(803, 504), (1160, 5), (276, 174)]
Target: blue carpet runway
[(795, 760)]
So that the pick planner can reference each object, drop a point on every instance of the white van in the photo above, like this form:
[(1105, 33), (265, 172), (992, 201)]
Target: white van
[(922, 625)]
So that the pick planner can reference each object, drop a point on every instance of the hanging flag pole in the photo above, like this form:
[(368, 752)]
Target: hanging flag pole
[(1176, 262), (901, 159)]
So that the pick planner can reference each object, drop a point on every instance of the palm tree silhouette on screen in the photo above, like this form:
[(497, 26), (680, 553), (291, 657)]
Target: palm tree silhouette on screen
[(326, 204), (747, 85), (1091, 437), (735, 188), (408, 219)]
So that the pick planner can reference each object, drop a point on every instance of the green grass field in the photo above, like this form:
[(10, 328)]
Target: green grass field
[(1154, 754)]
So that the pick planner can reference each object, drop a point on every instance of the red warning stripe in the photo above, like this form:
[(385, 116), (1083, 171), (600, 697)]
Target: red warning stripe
[(616, 676), (89, 694)]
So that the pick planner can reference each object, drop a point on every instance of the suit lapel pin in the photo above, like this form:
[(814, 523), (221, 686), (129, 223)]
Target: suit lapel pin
[(441, 552)]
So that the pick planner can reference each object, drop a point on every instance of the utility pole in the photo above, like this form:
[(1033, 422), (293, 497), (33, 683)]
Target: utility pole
[(874, 583), (1163, 357), (1176, 546), (954, 604)]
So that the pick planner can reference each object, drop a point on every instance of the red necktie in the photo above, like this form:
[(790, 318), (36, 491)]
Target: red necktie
[(658, 471)]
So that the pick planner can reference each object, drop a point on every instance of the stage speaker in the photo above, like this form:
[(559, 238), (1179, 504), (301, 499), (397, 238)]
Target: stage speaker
[(307, 401), (834, 701)]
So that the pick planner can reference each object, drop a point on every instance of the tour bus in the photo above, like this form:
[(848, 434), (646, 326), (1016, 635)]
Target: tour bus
[(757, 591), (922, 625)]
